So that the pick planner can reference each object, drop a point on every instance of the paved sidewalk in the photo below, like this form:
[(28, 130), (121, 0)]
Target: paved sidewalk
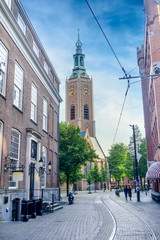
[(84, 220), (136, 220), (90, 218)]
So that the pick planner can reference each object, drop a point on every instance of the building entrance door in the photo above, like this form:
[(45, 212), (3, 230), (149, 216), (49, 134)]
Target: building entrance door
[(15, 209), (32, 169)]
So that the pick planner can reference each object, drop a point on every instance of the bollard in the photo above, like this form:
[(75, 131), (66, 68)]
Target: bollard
[(39, 207), (33, 207), (25, 209)]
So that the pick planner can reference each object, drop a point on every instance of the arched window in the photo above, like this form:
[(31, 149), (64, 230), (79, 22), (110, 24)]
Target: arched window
[(72, 112), (86, 112)]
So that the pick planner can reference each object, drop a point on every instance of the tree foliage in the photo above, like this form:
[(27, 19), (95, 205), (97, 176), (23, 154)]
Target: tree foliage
[(117, 160), (73, 151), (95, 175), (103, 175), (142, 165)]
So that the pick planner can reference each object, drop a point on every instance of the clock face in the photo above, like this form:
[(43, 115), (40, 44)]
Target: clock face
[(72, 92), (86, 91)]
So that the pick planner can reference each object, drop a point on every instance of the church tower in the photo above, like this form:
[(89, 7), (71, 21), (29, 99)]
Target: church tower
[(79, 95)]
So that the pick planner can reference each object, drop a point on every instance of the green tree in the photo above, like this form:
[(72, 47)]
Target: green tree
[(117, 161), (73, 151), (142, 165), (89, 180), (103, 175), (95, 175)]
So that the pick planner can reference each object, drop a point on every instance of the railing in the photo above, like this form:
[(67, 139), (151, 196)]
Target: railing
[(45, 194)]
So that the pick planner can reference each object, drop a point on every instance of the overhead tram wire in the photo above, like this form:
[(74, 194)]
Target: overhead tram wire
[(126, 76), (106, 38)]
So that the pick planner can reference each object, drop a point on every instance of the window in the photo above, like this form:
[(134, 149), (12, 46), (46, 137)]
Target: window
[(44, 156), (3, 68), (14, 155), (45, 113), (21, 24), (86, 112), (46, 67), (1, 136), (72, 112), (34, 103), (33, 149), (18, 86), (8, 3), (35, 48)]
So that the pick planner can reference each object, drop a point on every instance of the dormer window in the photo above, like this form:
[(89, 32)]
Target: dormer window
[(46, 67), (21, 24)]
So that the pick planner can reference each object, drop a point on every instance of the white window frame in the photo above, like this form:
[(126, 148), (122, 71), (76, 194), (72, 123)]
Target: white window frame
[(36, 49), (14, 162), (46, 67), (21, 24), (1, 139), (3, 68), (8, 2), (44, 157), (45, 114), (18, 86), (34, 94)]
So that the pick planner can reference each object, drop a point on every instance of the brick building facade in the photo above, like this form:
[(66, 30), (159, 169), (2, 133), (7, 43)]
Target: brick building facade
[(29, 110), (149, 67)]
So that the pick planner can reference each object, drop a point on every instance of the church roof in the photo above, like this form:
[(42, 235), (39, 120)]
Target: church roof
[(97, 148), (83, 134)]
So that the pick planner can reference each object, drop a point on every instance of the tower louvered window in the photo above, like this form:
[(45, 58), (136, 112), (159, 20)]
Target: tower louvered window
[(86, 112), (72, 112)]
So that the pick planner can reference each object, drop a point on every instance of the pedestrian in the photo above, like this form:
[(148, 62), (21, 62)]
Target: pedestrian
[(126, 192), (130, 192)]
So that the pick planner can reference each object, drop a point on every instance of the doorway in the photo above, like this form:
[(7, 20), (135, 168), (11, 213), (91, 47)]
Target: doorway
[(16, 209)]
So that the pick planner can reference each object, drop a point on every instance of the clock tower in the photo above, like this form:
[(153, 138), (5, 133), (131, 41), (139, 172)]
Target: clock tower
[(79, 95)]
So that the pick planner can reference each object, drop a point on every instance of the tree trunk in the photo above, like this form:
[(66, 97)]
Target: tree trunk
[(95, 186), (89, 188), (67, 185)]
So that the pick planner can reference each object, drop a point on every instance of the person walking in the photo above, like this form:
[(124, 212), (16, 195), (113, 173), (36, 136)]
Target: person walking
[(126, 192), (130, 192)]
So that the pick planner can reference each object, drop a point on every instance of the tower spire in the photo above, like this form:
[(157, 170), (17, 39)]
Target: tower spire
[(79, 69)]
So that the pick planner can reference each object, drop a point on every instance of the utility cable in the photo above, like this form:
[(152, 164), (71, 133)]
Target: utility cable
[(121, 113), (106, 38), (118, 63)]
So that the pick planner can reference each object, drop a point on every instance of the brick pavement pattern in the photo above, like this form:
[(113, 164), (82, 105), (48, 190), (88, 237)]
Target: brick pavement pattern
[(90, 218), (86, 219)]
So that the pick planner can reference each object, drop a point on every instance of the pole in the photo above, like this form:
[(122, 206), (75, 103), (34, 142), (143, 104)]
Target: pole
[(136, 165)]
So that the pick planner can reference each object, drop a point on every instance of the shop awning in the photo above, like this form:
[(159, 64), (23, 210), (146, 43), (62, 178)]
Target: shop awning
[(153, 171)]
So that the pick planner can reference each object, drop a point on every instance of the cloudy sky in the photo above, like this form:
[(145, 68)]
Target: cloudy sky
[(56, 23)]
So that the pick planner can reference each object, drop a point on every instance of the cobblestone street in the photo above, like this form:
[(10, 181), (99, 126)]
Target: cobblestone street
[(99, 216)]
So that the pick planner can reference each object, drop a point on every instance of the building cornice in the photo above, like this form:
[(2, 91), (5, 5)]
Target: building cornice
[(8, 21)]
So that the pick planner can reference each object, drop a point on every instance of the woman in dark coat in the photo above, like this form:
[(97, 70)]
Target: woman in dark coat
[(126, 192)]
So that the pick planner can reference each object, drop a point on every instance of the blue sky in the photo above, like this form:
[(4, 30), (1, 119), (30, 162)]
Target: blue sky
[(56, 23)]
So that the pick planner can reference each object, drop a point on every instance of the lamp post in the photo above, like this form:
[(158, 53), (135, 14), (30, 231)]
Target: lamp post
[(136, 165)]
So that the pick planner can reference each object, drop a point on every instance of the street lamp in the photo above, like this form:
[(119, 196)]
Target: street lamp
[(41, 168), (136, 163)]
